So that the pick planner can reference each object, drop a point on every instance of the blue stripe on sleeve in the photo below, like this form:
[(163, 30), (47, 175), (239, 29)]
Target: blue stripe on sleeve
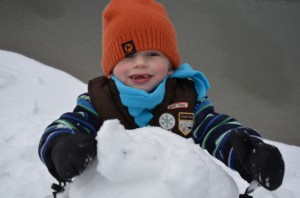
[(58, 132), (86, 105), (80, 121), (210, 123), (203, 104)]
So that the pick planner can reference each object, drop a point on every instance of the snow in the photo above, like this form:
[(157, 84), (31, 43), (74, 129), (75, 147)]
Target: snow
[(132, 161), (145, 162)]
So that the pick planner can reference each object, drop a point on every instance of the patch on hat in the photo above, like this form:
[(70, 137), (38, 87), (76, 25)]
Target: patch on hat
[(128, 48)]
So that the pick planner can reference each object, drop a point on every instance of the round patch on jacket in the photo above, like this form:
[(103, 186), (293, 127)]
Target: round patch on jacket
[(167, 121)]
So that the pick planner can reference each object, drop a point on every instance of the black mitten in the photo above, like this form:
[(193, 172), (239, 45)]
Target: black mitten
[(72, 153), (258, 161)]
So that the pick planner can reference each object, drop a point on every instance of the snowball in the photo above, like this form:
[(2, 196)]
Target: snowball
[(152, 162)]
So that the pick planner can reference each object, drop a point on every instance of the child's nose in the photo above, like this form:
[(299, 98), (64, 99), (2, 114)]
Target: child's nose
[(140, 61)]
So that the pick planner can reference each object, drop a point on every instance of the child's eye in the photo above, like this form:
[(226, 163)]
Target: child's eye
[(153, 54)]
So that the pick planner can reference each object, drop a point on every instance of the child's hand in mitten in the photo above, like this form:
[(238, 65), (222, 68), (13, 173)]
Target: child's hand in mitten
[(72, 153), (258, 161)]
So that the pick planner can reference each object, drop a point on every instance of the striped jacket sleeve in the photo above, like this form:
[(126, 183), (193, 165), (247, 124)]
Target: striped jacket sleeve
[(212, 132), (83, 119)]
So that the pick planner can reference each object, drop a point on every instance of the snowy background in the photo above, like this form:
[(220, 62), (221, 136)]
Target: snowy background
[(163, 166)]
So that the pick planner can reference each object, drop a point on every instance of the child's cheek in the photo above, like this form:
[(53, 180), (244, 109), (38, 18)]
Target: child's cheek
[(119, 70), (162, 71)]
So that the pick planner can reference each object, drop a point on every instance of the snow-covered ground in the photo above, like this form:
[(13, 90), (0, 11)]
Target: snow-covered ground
[(147, 162)]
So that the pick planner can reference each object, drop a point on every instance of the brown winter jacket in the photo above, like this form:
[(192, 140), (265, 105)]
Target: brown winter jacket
[(176, 112)]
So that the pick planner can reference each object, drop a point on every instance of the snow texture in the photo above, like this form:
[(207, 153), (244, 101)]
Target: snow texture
[(152, 162), (146, 163)]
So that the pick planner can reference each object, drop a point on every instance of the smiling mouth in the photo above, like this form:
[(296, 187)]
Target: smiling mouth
[(140, 76)]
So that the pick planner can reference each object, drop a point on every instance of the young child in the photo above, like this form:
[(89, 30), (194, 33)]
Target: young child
[(144, 84)]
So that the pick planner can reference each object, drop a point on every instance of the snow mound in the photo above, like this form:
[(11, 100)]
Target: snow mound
[(151, 162), (33, 95)]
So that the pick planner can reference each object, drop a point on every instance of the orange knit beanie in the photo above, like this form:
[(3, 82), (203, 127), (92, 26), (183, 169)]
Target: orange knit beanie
[(130, 26)]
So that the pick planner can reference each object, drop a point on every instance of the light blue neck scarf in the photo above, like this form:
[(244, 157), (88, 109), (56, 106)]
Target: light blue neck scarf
[(140, 103)]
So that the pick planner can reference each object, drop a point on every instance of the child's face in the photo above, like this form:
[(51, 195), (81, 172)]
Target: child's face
[(143, 70)]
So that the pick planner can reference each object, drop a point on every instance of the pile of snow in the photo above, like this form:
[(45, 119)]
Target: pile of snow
[(151, 163), (146, 162)]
